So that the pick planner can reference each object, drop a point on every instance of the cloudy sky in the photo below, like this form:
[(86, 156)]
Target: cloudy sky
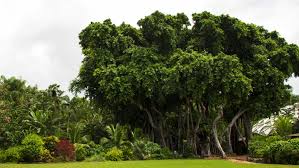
[(39, 38)]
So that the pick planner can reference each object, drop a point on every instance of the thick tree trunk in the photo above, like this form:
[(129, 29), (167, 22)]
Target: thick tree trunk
[(193, 137), (179, 132), (194, 144), (205, 149), (162, 136), (160, 128), (215, 135), (188, 127), (229, 129), (205, 140)]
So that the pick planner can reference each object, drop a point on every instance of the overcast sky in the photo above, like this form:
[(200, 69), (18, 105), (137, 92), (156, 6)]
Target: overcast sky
[(39, 38)]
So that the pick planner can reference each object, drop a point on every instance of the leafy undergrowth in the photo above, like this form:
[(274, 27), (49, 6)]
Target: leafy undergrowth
[(149, 164)]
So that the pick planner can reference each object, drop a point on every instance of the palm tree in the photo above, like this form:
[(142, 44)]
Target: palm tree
[(116, 136)]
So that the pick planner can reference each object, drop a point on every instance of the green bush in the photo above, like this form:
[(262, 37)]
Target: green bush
[(152, 148), (294, 155), (259, 145), (257, 149), (13, 154), (46, 156), (82, 151), (96, 158), (279, 152), (50, 143), (33, 139), (138, 149), (127, 153), (187, 150), (2, 156), (166, 153), (145, 149), (295, 143), (95, 149), (32, 148), (275, 150), (114, 154), (283, 125)]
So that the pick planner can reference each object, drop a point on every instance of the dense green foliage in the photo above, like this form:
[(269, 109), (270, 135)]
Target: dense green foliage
[(12, 154), (259, 145), (177, 81), (283, 152), (114, 154), (50, 143), (275, 149), (25, 109), (32, 148), (81, 151), (283, 125)]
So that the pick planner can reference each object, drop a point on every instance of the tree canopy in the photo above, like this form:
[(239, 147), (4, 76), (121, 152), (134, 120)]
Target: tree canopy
[(176, 80)]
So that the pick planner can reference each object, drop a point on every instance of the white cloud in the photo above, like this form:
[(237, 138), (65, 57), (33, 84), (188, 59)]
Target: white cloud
[(39, 38)]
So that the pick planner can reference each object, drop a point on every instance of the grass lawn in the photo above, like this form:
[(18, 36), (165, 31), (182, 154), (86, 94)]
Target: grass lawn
[(148, 164)]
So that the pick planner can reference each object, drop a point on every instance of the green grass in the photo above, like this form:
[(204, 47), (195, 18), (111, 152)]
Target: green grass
[(148, 164)]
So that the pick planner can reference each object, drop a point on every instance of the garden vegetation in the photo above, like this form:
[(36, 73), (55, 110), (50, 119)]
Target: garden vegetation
[(169, 88)]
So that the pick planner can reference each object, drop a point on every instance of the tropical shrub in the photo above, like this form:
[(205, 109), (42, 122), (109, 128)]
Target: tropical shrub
[(32, 148), (275, 150), (50, 143), (128, 153), (65, 150), (46, 156), (82, 151), (95, 148), (279, 152), (114, 154), (148, 150), (283, 125), (115, 136), (98, 157), (257, 149), (166, 153), (2, 156), (12, 154), (294, 157), (187, 150), (138, 148), (259, 145), (295, 143), (152, 148)]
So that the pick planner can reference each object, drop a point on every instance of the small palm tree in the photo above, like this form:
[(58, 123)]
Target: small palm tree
[(116, 136), (283, 125)]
